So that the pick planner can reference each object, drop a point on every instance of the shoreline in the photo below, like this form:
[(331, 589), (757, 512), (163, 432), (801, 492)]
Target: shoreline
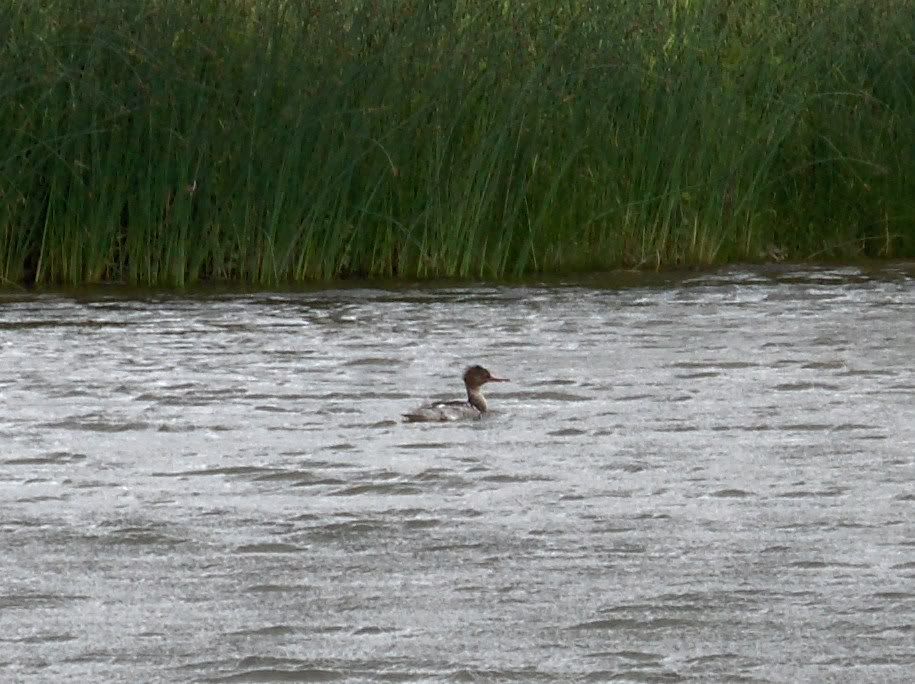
[(620, 278)]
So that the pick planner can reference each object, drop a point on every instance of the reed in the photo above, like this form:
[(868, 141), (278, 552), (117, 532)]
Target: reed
[(167, 142)]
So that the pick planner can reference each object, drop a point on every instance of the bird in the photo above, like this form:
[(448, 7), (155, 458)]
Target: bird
[(473, 408)]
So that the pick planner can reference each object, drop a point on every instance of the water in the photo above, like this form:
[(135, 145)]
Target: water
[(703, 477)]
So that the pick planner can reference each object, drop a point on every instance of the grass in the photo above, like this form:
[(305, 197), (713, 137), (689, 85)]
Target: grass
[(169, 142)]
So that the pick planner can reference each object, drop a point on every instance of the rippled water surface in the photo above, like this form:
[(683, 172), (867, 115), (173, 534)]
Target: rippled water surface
[(706, 477)]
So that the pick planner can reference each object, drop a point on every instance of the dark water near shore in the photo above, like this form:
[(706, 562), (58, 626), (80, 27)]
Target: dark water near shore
[(708, 478)]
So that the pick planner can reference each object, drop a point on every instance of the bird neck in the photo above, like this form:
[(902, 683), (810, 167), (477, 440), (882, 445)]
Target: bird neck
[(476, 399)]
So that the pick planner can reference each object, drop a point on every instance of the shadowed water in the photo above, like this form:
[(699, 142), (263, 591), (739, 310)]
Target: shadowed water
[(706, 477)]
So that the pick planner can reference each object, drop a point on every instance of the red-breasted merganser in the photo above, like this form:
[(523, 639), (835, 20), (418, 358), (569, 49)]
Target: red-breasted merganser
[(475, 406)]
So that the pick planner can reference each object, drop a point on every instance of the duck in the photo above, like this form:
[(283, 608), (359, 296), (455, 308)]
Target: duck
[(472, 409)]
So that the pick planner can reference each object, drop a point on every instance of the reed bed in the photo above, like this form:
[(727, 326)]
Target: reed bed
[(169, 142)]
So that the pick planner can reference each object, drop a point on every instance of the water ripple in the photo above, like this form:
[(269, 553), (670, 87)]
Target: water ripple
[(690, 477)]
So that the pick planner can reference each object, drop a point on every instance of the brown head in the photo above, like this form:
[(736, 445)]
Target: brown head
[(477, 376)]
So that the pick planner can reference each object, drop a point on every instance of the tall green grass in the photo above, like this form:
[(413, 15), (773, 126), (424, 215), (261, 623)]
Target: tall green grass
[(175, 141)]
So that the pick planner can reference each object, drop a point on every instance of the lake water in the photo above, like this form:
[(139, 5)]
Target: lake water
[(690, 477)]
